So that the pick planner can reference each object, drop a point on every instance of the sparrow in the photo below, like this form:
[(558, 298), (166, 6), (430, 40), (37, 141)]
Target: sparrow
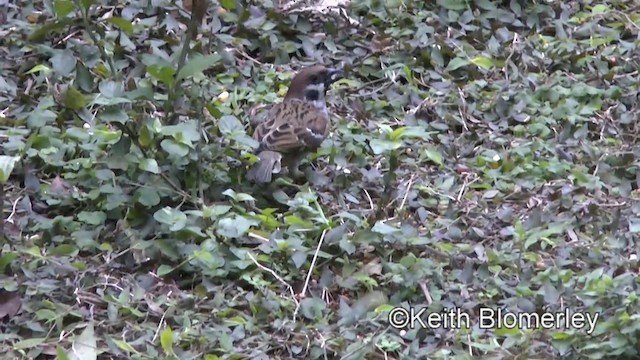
[(295, 126)]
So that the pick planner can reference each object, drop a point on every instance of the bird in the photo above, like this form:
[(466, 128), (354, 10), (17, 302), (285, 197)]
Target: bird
[(296, 126)]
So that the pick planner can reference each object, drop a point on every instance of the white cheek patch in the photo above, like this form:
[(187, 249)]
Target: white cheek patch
[(320, 105), (317, 87)]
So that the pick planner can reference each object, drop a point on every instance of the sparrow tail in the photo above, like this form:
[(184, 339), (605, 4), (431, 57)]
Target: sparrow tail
[(269, 162)]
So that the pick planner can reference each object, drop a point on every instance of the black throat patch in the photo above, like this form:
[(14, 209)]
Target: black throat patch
[(312, 95)]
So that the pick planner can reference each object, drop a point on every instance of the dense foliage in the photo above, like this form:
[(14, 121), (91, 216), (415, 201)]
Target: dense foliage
[(482, 155)]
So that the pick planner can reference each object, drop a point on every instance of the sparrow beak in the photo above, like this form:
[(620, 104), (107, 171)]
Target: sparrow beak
[(334, 75)]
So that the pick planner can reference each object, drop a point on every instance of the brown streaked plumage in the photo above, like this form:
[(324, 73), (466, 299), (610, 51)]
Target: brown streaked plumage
[(296, 126)]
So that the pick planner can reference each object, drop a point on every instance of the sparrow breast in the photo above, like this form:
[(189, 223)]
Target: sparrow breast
[(297, 125)]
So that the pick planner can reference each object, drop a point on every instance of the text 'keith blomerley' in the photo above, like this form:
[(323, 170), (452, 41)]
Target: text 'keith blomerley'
[(491, 318)]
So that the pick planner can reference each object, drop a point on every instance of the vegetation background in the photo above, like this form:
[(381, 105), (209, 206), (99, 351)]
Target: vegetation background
[(483, 154)]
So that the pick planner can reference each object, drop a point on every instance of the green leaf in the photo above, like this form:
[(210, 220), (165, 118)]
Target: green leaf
[(507, 331), (235, 226), (228, 4), (238, 196), (84, 78), (74, 99), (244, 139), (209, 260), (397, 133), (150, 165), (92, 217), (384, 229), (173, 148), (184, 133), (6, 260), (434, 155), (86, 4), (7, 163), (533, 239), (483, 62), (63, 250), (380, 146), (29, 343), (63, 62), (39, 34), (229, 124), (455, 5), (161, 73), (148, 197), (164, 270), (111, 89), (85, 346), (299, 258), (197, 65), (146, 135), (384, 308), (366, 280), (414, 132), (312, 308), (368, 302), (599, 9), (486, 4), (298, 221), (40, 68), (490, 194), (212, 212), (166, 340), (103, 100), (115, 115), (33, 251), (122, 24), (244, 197), (46, 314), (175, 218), (61, 354), (457, 63), (123, 345), (235, 321), (230, 193), (347, 246), (62, 8)]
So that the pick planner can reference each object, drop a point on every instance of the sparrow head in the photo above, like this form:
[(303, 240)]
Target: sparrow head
[(311, 84)]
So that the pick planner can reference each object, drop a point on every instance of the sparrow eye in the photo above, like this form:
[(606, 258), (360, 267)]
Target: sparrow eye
[(314, 79)]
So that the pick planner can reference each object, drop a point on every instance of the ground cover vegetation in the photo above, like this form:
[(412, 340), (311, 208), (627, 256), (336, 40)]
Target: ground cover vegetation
[(482, 155)]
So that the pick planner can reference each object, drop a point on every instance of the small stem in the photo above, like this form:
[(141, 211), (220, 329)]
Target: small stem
[(389, 181), (192, 29), (90, 30), (2, 213)]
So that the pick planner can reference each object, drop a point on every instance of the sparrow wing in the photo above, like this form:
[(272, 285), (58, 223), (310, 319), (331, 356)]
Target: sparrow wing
[(292, 125)]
